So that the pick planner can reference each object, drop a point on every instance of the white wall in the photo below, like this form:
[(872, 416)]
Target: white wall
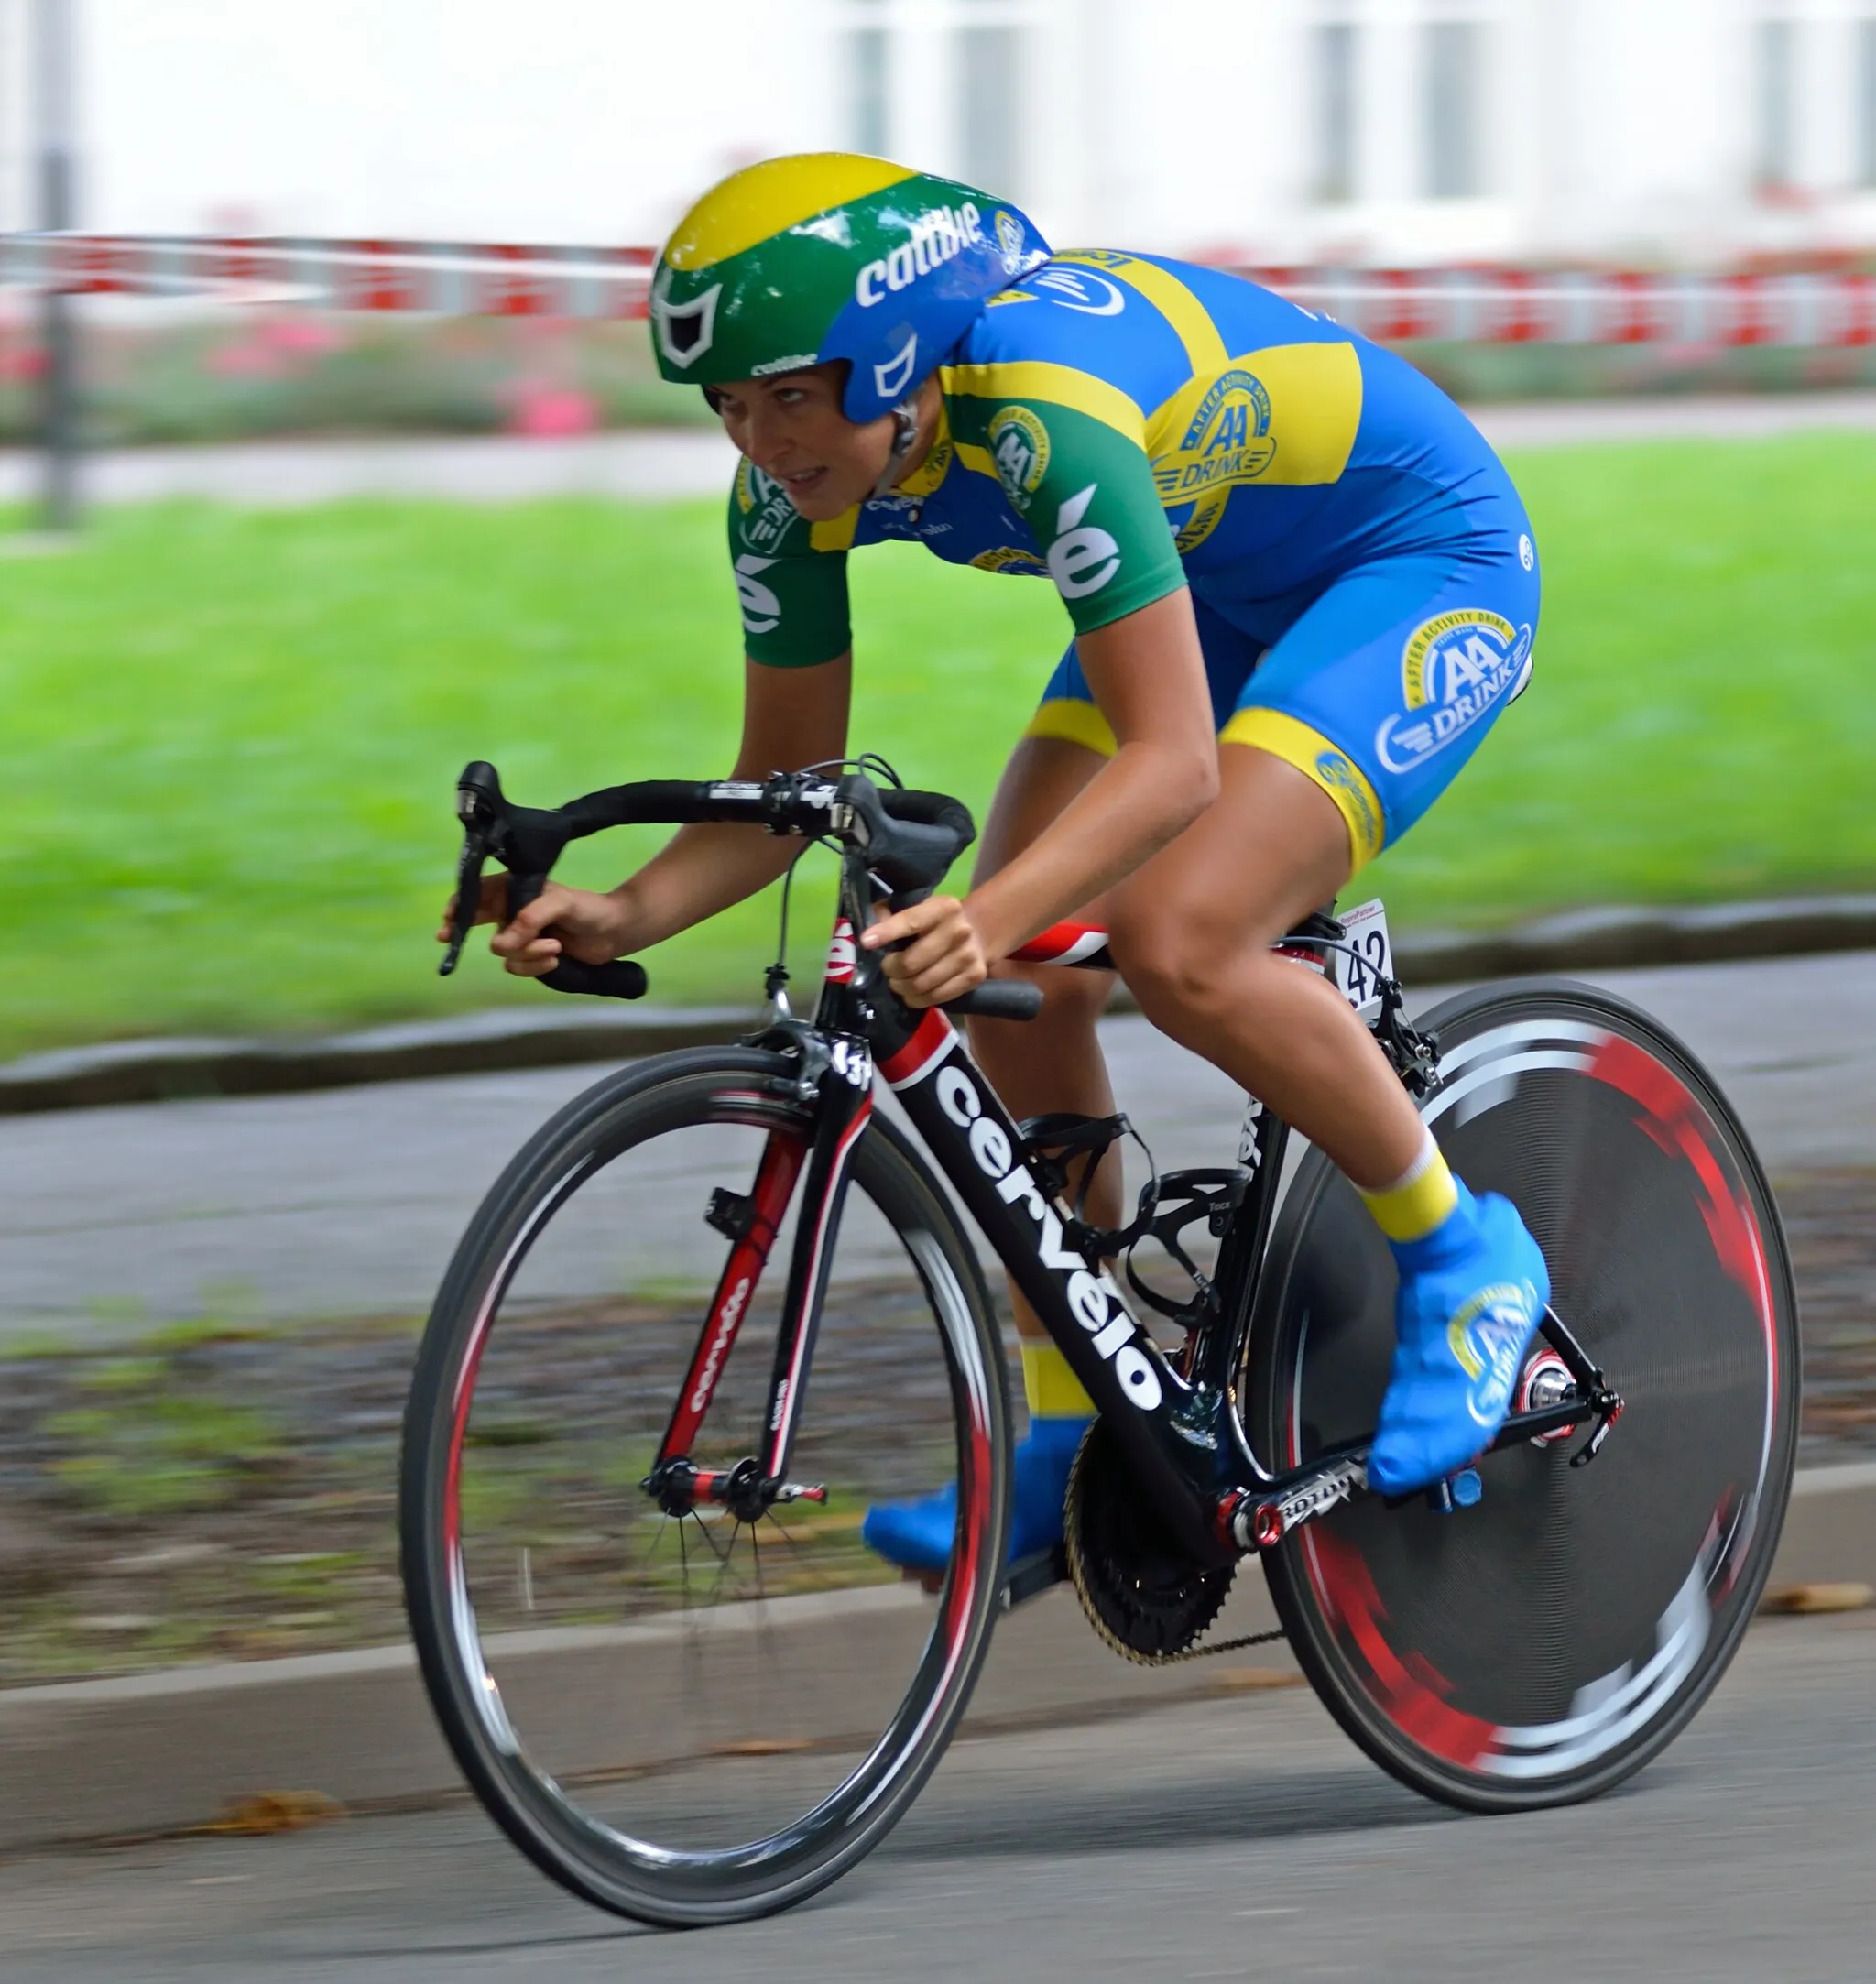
[(1612, 128), (583, 120)]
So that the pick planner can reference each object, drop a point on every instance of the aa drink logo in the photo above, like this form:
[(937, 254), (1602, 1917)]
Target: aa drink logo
[(1454, 671)]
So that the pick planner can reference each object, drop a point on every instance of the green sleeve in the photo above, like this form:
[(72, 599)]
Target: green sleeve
[(1087, 491), (793, 597)]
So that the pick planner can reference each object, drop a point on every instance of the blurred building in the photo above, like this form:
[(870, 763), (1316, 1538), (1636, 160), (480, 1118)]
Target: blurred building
[(1286, 130)]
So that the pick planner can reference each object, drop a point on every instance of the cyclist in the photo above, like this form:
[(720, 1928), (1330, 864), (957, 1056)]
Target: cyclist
[(1301, 588)]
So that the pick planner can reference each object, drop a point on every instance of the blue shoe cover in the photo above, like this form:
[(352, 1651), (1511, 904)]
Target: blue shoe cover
[(917, 1535), (1472, 1294)]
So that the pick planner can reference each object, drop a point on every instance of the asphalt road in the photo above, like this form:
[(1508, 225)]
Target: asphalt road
[(1235, 1837), (349, 1201)]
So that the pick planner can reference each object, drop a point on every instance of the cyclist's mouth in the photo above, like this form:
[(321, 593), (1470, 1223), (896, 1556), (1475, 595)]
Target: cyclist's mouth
[(803, 482)]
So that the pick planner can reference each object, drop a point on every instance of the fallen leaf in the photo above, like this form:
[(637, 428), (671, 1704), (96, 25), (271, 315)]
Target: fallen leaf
[(1846, 1597), (266, 1812), (1247, 1680)]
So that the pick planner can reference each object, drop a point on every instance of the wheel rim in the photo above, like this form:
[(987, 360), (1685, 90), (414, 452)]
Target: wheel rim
[(1565, 1626), (715, 1719)]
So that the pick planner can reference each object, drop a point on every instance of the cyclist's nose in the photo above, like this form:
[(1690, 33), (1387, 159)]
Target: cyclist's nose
[(766, 442)]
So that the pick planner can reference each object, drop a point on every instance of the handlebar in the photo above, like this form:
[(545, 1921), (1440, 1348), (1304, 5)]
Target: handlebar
[(999, 999), (908, 840)]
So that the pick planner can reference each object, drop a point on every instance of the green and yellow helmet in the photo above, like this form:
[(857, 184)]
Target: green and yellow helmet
[(824, 255)]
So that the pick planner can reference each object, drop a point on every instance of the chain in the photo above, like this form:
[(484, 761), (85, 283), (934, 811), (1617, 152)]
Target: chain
[(1115, 1644)]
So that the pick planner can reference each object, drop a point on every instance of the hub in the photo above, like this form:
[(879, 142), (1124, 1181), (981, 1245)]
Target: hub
[(678, 1487), (1546, 1382)]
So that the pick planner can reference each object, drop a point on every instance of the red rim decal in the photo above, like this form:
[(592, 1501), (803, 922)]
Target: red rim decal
[(1411, 1693), (1679, 1126)]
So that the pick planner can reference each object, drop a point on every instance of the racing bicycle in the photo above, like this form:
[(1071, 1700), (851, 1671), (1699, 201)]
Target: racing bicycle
[(723, 1301)]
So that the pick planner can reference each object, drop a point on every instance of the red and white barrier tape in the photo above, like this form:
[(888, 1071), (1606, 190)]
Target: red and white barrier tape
[(1500, 306), (442, 279)]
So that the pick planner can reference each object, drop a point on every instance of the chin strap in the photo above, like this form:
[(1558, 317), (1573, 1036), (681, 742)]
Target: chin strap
[(905, 433)]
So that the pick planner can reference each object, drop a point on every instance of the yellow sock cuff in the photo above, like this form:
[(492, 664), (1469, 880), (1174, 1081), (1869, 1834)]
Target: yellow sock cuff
[(1052, 1390), (1419, 1200)]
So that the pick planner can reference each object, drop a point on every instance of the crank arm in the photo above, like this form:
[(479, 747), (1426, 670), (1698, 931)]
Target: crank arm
[(1261, 1520)]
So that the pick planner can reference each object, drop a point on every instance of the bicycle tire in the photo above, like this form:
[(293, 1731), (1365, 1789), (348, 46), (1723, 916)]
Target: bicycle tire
[(1541, 1647), (594, 1858)]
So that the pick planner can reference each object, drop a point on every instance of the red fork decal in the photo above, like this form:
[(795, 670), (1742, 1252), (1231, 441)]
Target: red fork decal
[(775, 1183)]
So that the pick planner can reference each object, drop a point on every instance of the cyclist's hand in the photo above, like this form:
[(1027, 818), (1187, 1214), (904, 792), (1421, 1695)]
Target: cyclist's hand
[(574, 923), (489, 906), (944, 956)]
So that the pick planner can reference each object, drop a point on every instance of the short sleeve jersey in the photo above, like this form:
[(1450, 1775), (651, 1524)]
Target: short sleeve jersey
[(1124, 425)]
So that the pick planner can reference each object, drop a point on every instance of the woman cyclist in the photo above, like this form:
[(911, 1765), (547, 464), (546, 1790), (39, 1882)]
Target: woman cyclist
[(1300, 587)]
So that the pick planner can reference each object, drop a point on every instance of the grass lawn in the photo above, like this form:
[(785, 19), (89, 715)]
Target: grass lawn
[(228, 740)]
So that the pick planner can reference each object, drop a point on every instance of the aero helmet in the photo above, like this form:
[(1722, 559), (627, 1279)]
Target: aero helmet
[(824, 255)]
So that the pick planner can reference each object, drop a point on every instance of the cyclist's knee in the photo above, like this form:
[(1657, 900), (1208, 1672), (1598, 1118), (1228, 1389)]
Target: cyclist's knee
[(1175, 964)]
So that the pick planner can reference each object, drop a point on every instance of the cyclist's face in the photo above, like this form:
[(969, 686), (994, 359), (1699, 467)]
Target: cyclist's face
[(791, 427)]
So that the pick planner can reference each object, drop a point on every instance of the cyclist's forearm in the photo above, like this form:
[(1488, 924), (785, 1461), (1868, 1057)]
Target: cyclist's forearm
[(792, 717), (703, 870), (1146, 795)]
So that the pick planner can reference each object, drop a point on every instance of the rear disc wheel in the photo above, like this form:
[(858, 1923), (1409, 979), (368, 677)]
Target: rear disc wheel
[(1542, 1645)]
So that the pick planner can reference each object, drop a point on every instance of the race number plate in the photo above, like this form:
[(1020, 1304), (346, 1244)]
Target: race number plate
[(1369, 957)]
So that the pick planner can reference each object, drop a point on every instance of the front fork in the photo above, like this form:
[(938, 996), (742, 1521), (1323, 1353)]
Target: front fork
[(838, 1077)]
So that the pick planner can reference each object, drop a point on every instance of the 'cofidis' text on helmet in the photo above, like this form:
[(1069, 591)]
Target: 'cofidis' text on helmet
[(824, 255)]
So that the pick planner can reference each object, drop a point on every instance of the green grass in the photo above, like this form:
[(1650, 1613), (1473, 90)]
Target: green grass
[(228, 739)]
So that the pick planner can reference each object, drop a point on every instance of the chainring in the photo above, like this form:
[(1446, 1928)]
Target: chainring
[(1145, 1597)]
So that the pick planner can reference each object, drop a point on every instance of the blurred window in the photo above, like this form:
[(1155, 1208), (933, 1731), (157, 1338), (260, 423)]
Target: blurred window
[(989, 80), (1454, 109), (866, 85), (1866, 102), (1335, 111), (1777, 79)]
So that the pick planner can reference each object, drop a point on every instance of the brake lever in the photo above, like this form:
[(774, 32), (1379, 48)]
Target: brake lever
[(469, 865)]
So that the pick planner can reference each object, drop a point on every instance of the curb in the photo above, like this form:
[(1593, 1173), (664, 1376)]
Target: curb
[(487, 1043), (169, 1751), (1605, 940), (478, 1044)]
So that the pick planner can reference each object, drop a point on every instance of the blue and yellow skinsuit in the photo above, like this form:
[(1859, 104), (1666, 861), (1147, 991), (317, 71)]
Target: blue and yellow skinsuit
[(1362, 570)]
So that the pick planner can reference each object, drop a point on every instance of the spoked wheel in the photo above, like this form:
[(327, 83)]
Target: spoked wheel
[(1540, 1645), (697, 1717)]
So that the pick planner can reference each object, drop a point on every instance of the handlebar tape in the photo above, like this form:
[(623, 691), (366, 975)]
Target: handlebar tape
[(1000, 998), (622, 979)]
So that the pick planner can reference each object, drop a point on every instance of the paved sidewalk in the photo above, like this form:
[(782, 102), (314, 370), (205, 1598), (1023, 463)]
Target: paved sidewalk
[(657, 464), (349, 1201)]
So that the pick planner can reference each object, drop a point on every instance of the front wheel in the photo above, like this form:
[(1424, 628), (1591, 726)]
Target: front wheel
[(1542, 1645), (697, 1718)]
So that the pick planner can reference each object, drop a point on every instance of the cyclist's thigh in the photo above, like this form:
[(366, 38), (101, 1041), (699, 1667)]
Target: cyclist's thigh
[(1383, 688)]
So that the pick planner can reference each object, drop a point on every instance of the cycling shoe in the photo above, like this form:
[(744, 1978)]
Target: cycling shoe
[(1472, 1293), (916, 1535)]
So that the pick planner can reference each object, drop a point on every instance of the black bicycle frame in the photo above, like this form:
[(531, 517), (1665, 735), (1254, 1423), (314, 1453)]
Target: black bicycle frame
[(1177, 1428)]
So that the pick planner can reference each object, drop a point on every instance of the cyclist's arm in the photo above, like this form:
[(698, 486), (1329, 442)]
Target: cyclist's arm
[(1087, 489), (796, 679), (791, 717), (1149, 679)]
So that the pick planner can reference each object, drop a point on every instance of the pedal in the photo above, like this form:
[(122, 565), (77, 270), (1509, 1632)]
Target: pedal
[(1030, 1577), (1461, 1490)]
